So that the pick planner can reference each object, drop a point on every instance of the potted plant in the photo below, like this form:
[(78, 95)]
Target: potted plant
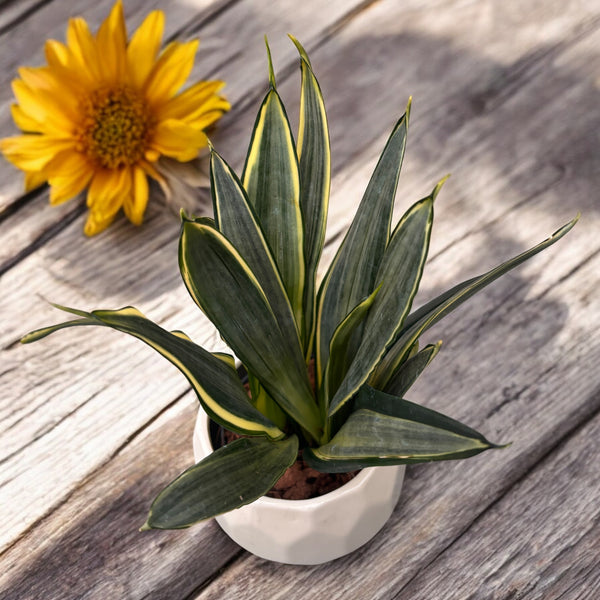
[(253, 271)]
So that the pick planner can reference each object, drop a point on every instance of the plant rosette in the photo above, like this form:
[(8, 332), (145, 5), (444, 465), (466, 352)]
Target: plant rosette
[(315, 530), (252, 270)]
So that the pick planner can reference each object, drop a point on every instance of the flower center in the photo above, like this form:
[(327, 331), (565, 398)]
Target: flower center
[(115, 128)]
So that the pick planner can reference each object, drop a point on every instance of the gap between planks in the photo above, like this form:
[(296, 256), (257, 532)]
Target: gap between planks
[(100, 467), (540, 463)]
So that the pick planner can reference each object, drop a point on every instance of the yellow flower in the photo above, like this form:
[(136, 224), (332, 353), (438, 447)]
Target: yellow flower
[(104, 110)]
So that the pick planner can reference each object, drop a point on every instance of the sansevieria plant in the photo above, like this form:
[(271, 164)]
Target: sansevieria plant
[(253, 272)]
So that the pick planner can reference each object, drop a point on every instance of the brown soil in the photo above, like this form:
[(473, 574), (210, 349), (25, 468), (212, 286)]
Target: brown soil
[(300, 482)]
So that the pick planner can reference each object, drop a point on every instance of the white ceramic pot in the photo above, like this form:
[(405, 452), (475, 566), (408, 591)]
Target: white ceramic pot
[(308, 532)]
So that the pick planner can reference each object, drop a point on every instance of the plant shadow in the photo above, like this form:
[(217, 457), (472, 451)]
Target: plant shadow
[(481, 121)]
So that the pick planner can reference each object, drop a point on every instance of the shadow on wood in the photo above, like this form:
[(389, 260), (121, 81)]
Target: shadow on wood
[(91, 547)]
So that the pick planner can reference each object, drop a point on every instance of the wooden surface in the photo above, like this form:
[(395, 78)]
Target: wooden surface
[(92, 424)]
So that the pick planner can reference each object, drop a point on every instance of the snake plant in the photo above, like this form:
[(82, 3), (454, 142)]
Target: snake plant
[(252, 270)]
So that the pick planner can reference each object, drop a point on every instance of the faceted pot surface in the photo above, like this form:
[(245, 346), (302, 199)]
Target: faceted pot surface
[(313, 531)]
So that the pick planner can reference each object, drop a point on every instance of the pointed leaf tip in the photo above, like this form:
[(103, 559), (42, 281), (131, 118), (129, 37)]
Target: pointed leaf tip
[(270, 60), (68, 309), (408, 107), (567, 227), (301, 50), (438, 186), (145, 527)]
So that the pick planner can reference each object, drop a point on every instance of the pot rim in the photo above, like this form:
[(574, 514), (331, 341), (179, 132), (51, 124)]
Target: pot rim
[(202, 434)]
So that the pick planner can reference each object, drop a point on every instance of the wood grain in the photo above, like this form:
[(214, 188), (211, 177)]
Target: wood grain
[(525, 548), (88, 546), (506, 97)]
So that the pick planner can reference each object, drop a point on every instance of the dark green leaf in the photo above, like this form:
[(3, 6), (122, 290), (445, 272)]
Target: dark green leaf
[(213, 378), (237, 221), (224, 287), (399, 276), (408, 372), (393, 406), (352, 274), (315, 175), (271, 180), (430, 313), (371, 438), (339, 356), (230, 477)]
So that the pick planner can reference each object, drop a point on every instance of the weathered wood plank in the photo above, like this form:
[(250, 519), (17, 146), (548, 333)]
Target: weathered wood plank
[(499, 132), (91, 546), (526, 548), (498, 123)]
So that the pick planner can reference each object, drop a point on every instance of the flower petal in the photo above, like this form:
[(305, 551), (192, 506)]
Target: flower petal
[(65, 188), (32, 152), (57, 54), (144, 46), (45, 108), (23, 121), (194, 102), (151, 171), (97, 223), (135, 204), (205, 120), (108, 191), (82, 45), (67, 70), (68, 173), (53, 84), (34, 179), (170, 71), (177, 139), (36, 77), (111, 42), (66, 163)]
